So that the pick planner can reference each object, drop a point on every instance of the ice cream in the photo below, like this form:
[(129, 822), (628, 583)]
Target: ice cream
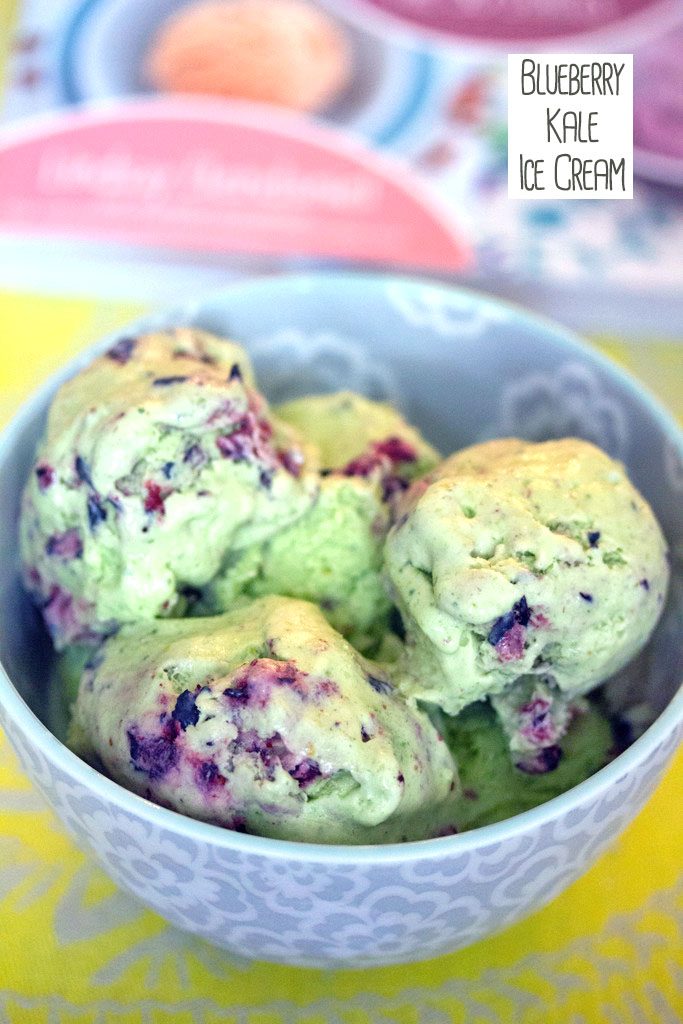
[(534, 716), (285, 52), (332, 555), (265, 720), (159, 458), (360, 437), (515, 558), (493, 787), (166, 491), (69, 667)]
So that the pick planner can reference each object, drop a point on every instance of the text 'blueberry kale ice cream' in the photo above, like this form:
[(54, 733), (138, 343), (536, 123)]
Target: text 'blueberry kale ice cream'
[(515, 558), (265, 720), (159, 458)]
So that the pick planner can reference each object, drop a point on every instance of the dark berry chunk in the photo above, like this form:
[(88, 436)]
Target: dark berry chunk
[(545, 760), (392, 485), (362, 465), (500, 627), (522, 611), (593, 538), (396, 449), (380, 685), (65, 545), (586, 597), (122, 351), (237, 692), (195, 456), (155, 497), (285, 674), (234, 446), (164, 382), (384, 457), (155, 755), (97, 513), (83, 471), (305, 772), (519, 614), (186, 711), (45, 475), (536, 722), (510, 647), (209, 775), (235, 372), (58, 611), (645, 584), (292, 460), (269, 749)]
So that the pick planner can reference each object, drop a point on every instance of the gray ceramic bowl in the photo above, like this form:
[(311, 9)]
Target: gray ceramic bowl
[(464, 368)]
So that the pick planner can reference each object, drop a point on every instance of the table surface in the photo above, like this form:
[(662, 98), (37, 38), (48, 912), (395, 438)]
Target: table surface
[(74, 949)]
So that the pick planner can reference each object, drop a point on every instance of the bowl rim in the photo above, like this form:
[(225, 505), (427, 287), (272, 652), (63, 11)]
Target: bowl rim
[(16, 709)]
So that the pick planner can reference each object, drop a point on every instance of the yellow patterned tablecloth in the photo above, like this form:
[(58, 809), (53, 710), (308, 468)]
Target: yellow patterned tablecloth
[(75, 950)]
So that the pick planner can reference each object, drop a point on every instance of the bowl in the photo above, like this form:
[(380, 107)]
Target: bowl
[(464, 367), (104, 45)]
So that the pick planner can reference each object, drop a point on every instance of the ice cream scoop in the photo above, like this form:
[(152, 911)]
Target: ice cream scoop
[(332, 555), (265, 720), (515, 558), (158, 459), (285, 52)]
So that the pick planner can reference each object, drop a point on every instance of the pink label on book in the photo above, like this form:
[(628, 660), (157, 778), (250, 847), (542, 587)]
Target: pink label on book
[(513, 19), (236, 180)]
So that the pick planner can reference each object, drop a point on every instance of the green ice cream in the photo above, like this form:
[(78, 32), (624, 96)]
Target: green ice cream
[(332, 555), (534, 715), (265, 720), (525, 573), (493, 788), (354, 434), (69, 666), (159, 459), (515, 558)]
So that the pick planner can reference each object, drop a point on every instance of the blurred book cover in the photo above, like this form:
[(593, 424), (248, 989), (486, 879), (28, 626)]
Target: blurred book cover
[(153, 148)]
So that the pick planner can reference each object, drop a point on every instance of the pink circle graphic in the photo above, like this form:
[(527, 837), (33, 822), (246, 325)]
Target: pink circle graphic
[(523, 20)]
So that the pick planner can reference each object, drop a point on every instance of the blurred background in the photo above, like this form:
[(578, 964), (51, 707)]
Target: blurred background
[(151, 150)]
